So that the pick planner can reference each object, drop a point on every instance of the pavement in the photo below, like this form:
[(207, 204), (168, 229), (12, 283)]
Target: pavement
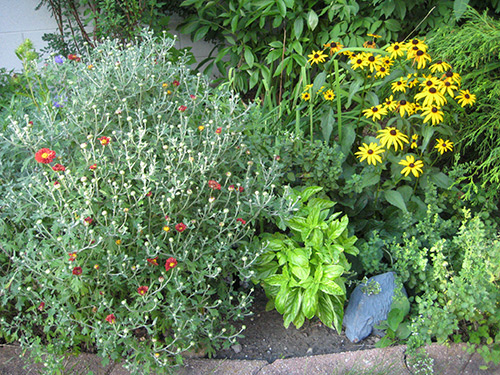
[(446, 360)]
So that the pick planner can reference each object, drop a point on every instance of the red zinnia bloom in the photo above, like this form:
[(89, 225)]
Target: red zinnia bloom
[(111, 319), (42, 305), (77, 271), (176, 83), (153, 261), (59, 168), (230, 188), (182, 108), (72, 56), (167, 217), (104, 140), (45, 155), (170, 263), (241, 220), (192, 96), (93, 167), (72, 257), (56, 183), (241, 189), (214, 185), (142, 290), (148, 194), (218, 130), (181, 227), (88, 220)]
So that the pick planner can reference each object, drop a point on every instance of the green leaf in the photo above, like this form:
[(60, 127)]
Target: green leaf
[(392, 25), (200, 33), (337, 227), (307, 192), (332, 272), (276, 44), (299, 320), (330, 287), (321, 203), (302, 272), (281, 7), (289, 3), (348, 138), (326, 310), (310, 301), (316, 240), (319, 81), (254, 78), (281, 298), (441, 180), (277, 280), (293, 304), (394, 318), (396, 199), (327, 123), (299, 257), (298, 26), (312, 19), (459, 8), (369, 179), (249, 58), (298, 224)]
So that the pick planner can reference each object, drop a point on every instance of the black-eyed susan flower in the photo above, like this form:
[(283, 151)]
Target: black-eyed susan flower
[(376, 112), (416, 43), (455, 77), (421, 58), (329, 95), (373, 35), (413, 143), (373, 61), (334, 47), (390, 104), (412, 165), (306, 96), (400, 85), (370, 44), (382, 71), (465, 97), (440, 66), (431, 96), (412, 80), (404, 107), (430, 81), (359, 61), (443, 145), (396, 50), (448, 87), (432, 113), (370, 152), (391, 136), (388, 62), (316, 57)]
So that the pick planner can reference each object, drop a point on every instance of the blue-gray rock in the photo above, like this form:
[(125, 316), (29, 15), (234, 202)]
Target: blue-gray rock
[(369, 304)]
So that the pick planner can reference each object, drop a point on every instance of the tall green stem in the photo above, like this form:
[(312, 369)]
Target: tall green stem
[(339, 105)]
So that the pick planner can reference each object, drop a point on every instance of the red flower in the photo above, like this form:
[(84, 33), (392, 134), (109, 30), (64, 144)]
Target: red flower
[(74, 57), (214, 185), (104, 140), (111, 319), (167, 217), (77, 271), (218, 130), (45, 155), (241, 189), (182, 108), (277, 157), (148, 194), (181, 227), (241, 220), (230, 188), (42, 305), (142, 290), (93, 167), (56, 183), (192, 96), (176, 83), (170, 263), (72, 257), (153, 261), (88, 220), (59, 168)]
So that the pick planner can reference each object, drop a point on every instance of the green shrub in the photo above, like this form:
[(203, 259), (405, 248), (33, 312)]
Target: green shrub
[(127, 204)]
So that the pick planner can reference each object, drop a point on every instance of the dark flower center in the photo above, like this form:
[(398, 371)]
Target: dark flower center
[(447, 83), (369, 42), (432, 90), (400, 83), (467, 96), (414, 41), (370, 151), (415, 48), (443, 145), (393, 132), (420, 53), (371, 58), (439, 62), (375, 109), (333, 45), (411, 165), (396, 47), (316, 56), (359, 61), (449, 73), (402, 102), (434, 110), (429, 83), (382, 69)]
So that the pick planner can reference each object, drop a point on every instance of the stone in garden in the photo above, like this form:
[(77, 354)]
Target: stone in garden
[(369, 304)]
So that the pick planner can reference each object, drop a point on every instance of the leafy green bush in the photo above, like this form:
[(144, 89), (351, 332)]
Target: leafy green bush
[(127, 204), (301, 272)]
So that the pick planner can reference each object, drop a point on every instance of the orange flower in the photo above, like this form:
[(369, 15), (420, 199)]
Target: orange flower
[(142, 290), (45, 155), (104, 140)]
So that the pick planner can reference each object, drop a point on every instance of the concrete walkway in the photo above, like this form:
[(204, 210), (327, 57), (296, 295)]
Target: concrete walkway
[(452, 360)]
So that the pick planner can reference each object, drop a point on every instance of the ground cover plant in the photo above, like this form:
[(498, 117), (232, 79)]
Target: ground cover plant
[(129, 194)]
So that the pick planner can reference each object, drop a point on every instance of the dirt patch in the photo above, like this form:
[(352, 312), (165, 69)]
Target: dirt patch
[(267, 339)]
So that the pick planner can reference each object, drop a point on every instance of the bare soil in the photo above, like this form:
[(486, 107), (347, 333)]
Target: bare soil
[(267, 339)]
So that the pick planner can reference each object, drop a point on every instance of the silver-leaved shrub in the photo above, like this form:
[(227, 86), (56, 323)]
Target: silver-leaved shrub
[(129, 195)]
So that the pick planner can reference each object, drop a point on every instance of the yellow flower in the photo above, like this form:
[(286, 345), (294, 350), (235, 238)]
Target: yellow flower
[(400, 85), (413, 144), (375, 112), (432, 113), (440, 66), (431, 96), (447, 87), (396, 50), (390, 104), (412, 165), (415, 44), (404, 107), (306, 96), (443, 146), (201, 127), (90, 67), (118, 242), (308, 87), (370, 153), (373, 61), (334, 47), (420, 57), (465, 97), (359, 61), (370, 44), (317, 57), (387, 62), (329, 95), (164, 85), (374, 35), (382, 72), (430, 81), (166, 228), (455, 77), (392, 136), (414, 137)]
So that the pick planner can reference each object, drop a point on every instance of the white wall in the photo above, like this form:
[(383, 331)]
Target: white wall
[(19, 20)]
